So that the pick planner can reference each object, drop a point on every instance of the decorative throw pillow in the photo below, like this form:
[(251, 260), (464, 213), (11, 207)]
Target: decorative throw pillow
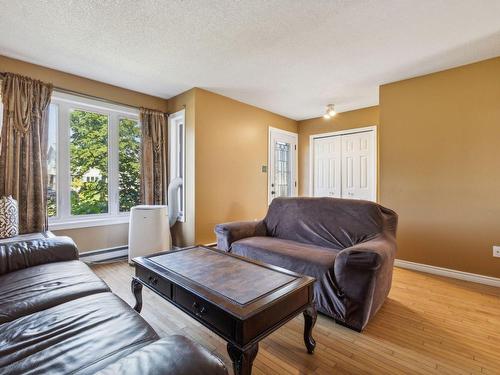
[(9, 223)]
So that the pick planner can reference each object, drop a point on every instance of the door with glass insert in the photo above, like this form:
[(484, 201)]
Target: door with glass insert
[(282, 164)]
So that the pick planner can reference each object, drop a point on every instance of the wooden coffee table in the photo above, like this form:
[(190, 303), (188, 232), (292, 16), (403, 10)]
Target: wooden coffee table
[(239, 299)]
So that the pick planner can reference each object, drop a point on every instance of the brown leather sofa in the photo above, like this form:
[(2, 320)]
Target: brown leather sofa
[(58, 317), (347, 245)]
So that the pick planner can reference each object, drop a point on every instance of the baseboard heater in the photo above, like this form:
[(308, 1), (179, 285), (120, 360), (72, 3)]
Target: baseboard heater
[(105, 255), (108, 255)]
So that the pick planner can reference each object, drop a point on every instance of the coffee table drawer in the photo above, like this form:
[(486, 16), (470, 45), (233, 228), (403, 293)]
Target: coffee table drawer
[(154, 281), (205, 311)]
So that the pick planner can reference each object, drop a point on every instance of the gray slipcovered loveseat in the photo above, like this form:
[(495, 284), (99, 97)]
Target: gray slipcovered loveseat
[(347, 245)]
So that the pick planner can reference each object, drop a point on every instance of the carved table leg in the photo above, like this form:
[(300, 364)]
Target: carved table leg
[(310, 315), (242, 360), (136, 287)]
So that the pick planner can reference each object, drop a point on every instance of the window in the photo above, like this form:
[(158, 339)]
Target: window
[(176, 136), (129, 168), (93, 162), (52, 162), (88, 162)]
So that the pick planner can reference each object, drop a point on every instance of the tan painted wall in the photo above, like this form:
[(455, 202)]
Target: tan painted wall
[(342, 121), (183, 234), (93, 237), (224, 124), (82, 85), (231, 148), (440, 163)]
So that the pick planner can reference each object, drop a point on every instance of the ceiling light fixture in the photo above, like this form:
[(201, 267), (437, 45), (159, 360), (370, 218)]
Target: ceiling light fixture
[(330, 111)]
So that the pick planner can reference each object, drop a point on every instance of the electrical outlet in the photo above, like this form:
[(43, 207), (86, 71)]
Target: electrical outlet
[(496, 251)]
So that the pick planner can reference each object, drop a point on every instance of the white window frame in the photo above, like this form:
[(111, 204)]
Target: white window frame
[(67, 103), (177, 156)]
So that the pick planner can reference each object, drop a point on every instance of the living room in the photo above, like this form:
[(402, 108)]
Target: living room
[(287, 249)]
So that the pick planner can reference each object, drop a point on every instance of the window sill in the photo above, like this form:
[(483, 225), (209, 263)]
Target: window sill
[(88, 222)]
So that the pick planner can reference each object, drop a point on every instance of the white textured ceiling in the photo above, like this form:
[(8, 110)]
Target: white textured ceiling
[(288, 56)]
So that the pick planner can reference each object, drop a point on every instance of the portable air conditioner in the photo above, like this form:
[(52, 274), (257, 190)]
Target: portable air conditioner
[(149, 231), (149, 226)]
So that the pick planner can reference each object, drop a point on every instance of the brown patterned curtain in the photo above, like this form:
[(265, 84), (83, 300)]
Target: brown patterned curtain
[(153, 157), (23, 148)]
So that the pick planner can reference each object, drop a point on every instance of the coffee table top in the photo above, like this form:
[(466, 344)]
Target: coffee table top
[(240, 281), (238, 285)]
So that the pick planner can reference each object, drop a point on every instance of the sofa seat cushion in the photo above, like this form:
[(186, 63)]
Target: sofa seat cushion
[(302, 258), (37, 288), (311, 260), (171, 355), (80, 336)]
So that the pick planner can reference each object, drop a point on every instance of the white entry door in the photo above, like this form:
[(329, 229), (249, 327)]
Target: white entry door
[(344, 165), (327, 161), (282, 173), (358, 166)]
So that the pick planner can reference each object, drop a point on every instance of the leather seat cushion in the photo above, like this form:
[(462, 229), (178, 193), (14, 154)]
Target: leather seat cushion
[(83, 336), (302, 258), (37, 288), (171, 355)]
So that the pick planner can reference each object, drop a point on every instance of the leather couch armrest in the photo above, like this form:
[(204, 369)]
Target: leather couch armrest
[(228, 233), (23, 254), (363, 274), (170, 355)]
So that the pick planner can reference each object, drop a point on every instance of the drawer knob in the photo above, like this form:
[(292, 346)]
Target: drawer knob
[(153, 280), (199, 311)]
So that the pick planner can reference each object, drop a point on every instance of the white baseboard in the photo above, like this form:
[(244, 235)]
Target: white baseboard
[(440, 271)]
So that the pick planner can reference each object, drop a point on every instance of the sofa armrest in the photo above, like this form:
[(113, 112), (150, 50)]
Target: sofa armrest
[(228, 233), (171, 355), (23, 254), (363, 274)]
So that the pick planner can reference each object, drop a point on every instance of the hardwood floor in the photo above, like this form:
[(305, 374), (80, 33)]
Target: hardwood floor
[(428, 325)]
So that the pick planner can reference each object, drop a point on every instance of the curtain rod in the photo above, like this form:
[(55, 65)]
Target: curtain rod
[(86, 96), (76, 93)]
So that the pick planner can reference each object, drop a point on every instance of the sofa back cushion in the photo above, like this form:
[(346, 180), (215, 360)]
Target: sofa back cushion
[(327, 222)]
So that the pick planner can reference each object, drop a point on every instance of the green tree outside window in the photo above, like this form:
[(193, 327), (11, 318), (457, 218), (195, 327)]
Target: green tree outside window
[(129, 167), (88, 163)]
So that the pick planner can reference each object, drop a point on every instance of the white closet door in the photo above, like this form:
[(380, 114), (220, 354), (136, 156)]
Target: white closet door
[(358, 166), (327, 167)]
